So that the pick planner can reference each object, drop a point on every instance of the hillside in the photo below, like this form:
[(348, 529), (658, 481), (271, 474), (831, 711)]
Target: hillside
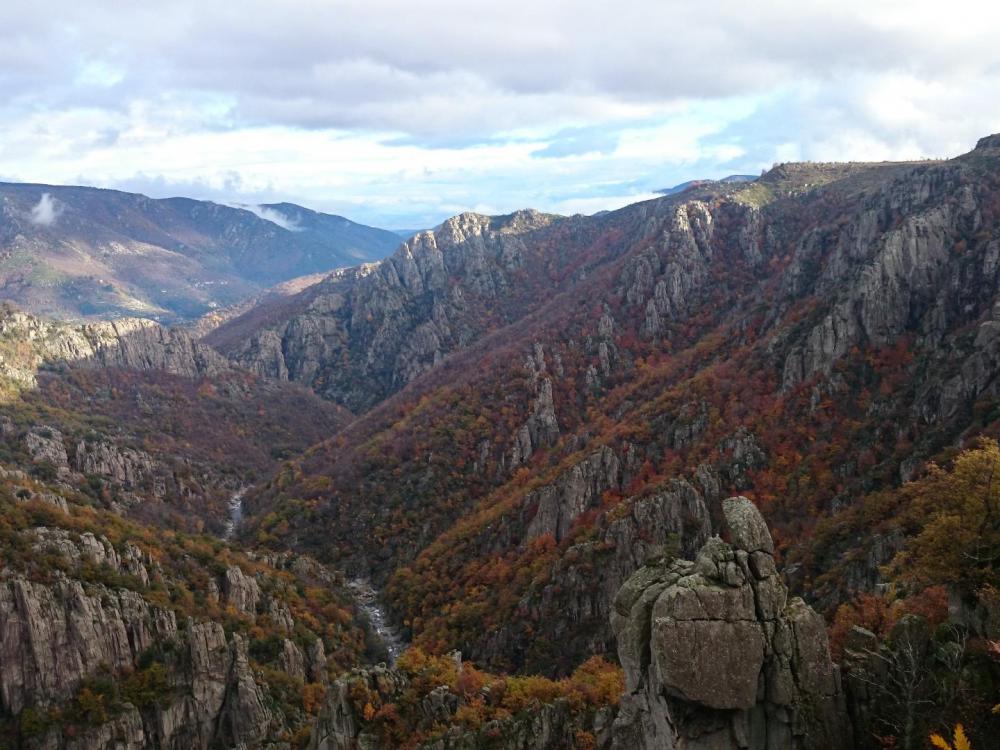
[(114, 634), (149, 421), (129, 616), (713, 470), (558, 401), (126, 618), (364, 333), (85, 252)]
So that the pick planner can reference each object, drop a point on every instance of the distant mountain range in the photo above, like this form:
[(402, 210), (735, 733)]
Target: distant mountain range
[(88, 252)]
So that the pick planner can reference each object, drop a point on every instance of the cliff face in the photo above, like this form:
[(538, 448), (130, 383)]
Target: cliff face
[(137, 645), (57, 636), (880, 276), (715, 655), (30, 342), (361, 336)]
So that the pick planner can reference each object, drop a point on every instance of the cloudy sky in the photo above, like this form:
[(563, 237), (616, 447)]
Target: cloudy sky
[(401, 113)]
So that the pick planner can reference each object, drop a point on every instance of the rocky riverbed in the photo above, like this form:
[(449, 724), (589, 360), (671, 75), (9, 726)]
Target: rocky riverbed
[(368, 599)]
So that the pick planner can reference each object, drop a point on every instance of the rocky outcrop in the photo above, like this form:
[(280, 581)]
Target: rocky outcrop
[(127, 343), (45, 445), (715, 656), (541, 428), (280, 615), (339, 725), (91, 623), (879, 280), (54, 636), (664, 279), (365, 333), (291, 661), (553, 508), (975, 375), (241, 591), (214, 700), (245, 718), (122, 478), (77, 549), (94, 655), (125, 466), (134, 344)]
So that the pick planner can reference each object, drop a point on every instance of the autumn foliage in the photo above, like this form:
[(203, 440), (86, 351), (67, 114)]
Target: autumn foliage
[(400, 719)]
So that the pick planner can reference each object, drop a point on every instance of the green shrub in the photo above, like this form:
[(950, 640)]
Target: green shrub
[(147, 686)]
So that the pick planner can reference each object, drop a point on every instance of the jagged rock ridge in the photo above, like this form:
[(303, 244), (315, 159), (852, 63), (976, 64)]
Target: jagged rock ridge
[(360, 336), (128, 343)]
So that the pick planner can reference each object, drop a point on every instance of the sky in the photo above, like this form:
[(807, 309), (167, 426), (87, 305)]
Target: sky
[(400, 114)]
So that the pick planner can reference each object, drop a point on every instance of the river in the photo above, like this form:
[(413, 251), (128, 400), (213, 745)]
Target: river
[(367, 598), (364, 592)]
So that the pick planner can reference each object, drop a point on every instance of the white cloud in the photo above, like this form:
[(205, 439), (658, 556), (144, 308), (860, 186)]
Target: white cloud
[(46, 211), (98, 73), (397, 112), (272, 215)]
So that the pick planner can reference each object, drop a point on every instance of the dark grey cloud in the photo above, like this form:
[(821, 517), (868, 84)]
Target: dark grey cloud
[(410, 66)]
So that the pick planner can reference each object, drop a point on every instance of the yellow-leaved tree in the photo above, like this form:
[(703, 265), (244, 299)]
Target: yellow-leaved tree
[(956, 512)]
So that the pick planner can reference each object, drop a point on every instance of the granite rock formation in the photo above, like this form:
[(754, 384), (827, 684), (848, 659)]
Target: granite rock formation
[(716, 656)]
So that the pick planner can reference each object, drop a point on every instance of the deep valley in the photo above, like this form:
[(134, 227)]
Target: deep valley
[(710, 471)]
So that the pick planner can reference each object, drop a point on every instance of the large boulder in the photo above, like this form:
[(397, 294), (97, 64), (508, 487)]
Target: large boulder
[(716, 657), (747, 526)]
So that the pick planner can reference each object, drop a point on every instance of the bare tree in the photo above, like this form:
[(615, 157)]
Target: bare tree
[(901, 683)]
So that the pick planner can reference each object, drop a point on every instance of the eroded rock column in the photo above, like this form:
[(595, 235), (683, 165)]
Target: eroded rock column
[(716, 657)]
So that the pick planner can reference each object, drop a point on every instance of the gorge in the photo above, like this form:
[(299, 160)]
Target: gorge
[(709, 471)]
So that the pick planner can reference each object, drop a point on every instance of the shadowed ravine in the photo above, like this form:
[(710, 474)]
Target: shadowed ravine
[(365, 594)]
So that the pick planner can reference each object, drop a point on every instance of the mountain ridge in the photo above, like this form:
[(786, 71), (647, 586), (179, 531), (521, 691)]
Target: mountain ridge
[(612, 372), (94, 252)]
